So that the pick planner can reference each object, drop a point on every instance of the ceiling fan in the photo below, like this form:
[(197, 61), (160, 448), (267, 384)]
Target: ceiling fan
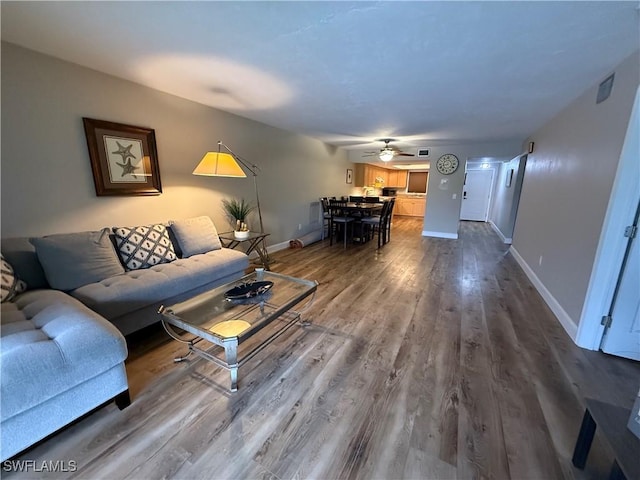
[(388, 152)]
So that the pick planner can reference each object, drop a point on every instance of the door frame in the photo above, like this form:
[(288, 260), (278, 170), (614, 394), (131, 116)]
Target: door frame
[(621, 210)]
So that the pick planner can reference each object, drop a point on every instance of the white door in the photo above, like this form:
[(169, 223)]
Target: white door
[(622, 337), (476, 195)]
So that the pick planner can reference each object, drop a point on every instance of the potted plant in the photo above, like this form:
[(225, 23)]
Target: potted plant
[(237, 211)]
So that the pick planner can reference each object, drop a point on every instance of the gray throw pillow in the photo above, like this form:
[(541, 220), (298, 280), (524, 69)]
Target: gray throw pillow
[(21, 254), (72, 260), (196, 235)]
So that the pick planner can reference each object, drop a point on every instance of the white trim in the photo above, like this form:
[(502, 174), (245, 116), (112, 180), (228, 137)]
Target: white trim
[(504, 239), (563, 317), (271, 249), (612, 244), (427, 233), (278, 246)]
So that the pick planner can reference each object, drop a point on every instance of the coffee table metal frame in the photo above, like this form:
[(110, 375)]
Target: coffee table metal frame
[(258, 307)]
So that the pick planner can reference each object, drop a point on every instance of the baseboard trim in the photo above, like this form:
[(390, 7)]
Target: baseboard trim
[(563, 317), (504, 239), (271, 249), (427, 233), (278, 246)]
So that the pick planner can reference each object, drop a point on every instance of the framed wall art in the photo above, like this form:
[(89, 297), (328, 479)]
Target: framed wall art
[(124, 158), (349, 175)]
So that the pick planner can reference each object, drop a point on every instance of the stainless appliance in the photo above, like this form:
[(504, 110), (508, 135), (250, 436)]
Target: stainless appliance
[(389, 192)]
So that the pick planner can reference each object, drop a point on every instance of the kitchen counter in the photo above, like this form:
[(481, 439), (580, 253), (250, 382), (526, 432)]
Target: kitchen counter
[(412, 195)]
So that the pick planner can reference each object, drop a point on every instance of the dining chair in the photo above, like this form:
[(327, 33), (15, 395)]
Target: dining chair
[(356, 199), (371, 199), (326, 215), (387, 221), (338, 217), (376, 223)]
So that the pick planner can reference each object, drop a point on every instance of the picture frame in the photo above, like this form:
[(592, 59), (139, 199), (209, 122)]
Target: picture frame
[(349, 175), (124, 158), (509, 178)]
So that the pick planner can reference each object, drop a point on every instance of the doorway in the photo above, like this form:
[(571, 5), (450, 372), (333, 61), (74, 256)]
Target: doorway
[(622, 324), (613, 248), (476, 195)]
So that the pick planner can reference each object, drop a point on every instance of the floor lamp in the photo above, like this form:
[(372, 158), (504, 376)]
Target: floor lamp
[(222, 164)]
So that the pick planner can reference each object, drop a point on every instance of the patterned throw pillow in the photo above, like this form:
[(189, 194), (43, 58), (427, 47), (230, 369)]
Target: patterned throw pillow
[(11, 284), (143, 247)]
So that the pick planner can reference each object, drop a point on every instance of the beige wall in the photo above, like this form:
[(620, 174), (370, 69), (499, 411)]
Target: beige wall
[(47, 184), (442, 215), (567, 184)]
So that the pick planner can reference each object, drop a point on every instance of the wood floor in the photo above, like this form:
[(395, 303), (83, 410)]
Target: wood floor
[(427, 359)]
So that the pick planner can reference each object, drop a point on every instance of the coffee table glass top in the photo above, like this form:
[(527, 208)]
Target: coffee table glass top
[(212, 316)]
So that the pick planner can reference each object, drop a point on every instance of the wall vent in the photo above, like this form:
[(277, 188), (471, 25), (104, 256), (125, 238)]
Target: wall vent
[(604, 90), (423, 152)]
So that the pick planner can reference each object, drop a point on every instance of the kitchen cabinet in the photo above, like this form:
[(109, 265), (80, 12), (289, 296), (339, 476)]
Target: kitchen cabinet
[(402, 179), (358, 177), (397, 179), (379, 174), (366, 175), (410, 206)]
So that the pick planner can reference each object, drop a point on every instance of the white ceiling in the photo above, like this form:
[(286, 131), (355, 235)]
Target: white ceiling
[(425, 73)]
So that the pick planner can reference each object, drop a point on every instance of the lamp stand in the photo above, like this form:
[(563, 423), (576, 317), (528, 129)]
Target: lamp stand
[(253, 169)]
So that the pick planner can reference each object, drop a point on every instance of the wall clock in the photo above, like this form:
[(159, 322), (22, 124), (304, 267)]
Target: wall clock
[(447, 164)]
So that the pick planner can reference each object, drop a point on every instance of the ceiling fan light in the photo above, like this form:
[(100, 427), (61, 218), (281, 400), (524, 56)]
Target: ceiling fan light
[(386, 155)]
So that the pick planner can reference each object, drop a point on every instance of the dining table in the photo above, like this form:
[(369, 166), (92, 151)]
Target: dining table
[(359, 210), (362, 207)]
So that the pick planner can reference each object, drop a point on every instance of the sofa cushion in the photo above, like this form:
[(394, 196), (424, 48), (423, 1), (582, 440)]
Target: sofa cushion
[(144, 246), (50, 343), (11, 285), (75, 259), (137, 289), (196, 235), (22, 256)]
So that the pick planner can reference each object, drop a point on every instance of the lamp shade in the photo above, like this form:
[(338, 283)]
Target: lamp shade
[(218, 164)]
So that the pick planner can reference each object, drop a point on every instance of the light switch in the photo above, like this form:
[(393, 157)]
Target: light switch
[(454, 196)]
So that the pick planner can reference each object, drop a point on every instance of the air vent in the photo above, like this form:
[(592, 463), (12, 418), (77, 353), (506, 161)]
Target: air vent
[(423, 152), (604, 90)]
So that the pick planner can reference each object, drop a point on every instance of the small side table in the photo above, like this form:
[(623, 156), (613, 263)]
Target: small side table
[(612, 421), (255, 242)]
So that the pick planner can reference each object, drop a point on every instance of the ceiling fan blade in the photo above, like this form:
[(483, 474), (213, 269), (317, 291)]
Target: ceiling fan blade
[(402, 154), (369, 154)]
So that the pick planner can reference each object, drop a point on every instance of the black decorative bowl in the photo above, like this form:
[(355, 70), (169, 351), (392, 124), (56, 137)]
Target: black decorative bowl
[(248, 290)]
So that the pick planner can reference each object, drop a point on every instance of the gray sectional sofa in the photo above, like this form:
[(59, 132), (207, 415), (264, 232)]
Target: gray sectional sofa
[(62, 348)]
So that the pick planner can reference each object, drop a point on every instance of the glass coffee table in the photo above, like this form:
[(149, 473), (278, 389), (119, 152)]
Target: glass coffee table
[(229, 322)]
